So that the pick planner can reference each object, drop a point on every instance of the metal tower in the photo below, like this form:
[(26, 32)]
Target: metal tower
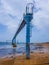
[(28, 16)]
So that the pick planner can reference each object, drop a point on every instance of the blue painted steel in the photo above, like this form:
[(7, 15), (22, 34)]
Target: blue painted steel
[(28, 18)]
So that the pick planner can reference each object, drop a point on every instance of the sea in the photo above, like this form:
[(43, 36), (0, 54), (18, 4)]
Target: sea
[(6, 49)]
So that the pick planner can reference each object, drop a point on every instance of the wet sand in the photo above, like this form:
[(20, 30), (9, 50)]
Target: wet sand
[(36, 58)]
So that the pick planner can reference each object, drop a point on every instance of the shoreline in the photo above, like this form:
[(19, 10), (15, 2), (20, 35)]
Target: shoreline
[(42, 50), (38, 57)]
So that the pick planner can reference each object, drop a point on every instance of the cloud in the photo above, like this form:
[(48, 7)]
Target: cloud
[(41, 22), (11, 15), (41, 17)]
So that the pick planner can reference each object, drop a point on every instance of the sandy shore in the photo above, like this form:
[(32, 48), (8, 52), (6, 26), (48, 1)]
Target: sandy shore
[(36, 58)]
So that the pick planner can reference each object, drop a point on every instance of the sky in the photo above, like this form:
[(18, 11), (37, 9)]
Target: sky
[(11, 16)]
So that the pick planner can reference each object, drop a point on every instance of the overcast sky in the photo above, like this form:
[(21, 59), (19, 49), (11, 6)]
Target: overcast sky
[(11, 15)]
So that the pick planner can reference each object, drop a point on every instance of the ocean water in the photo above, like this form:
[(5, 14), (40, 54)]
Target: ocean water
[(6, 49)]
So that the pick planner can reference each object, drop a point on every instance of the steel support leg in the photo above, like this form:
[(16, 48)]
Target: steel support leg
[(28, 41)]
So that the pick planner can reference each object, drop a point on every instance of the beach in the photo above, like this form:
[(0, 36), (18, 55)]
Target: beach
[(38, 57)]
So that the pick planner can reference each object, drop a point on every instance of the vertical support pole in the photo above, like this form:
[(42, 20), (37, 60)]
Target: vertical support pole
[(28, 18), (28, 40), (14, 42)]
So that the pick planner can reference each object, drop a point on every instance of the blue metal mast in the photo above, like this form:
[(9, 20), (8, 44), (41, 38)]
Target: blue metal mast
[(28, 17)]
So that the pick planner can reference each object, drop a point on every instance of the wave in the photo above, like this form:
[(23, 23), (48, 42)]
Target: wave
[(10, 46), (6, 46)]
